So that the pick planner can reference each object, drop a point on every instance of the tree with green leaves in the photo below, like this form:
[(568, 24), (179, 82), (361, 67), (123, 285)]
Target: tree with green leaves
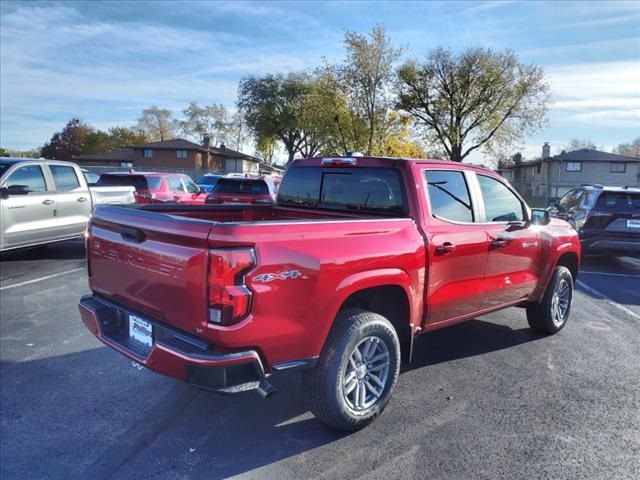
[(67, 143), (475, 99), (97, 141), (272, 105), (158, 123), (4, 152), (364, 81), (266, 148), (631, 149)]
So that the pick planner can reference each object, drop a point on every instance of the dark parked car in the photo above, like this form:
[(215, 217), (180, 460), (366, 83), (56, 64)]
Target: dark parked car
[(606, 218)]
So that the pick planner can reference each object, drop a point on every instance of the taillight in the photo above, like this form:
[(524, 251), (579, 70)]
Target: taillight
[(597, 219), (213, 199), (144, 197), (229, 297)]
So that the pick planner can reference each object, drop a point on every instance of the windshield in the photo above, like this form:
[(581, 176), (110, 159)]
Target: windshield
[(367, 189), (208, 180), (241, 186)]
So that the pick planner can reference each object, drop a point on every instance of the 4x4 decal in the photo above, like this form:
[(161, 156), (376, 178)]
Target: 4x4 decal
[(269, 277)]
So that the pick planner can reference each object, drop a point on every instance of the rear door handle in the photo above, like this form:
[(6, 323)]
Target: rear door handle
[(82, 199), (47, 202), (445, 248)]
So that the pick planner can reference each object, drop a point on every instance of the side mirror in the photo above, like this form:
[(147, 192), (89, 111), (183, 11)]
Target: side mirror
[(540, 216), (15, 190)]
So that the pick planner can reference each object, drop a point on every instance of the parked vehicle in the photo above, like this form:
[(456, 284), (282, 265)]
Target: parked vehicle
[(357, 257), (44, 201), (90, 177), (237, 188), (607, 218), (154, 187), (208, 181)]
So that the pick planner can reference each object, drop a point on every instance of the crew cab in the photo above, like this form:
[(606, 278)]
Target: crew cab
[(356, 258), (45, 201)]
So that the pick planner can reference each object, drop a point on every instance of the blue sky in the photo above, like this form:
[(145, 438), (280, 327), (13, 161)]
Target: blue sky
[(106, 61)]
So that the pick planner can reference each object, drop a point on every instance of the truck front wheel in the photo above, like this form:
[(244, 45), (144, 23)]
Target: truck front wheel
[(551, 314), (357, 371)]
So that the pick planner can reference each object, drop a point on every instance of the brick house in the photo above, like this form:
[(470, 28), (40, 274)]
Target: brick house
[(174, 154)]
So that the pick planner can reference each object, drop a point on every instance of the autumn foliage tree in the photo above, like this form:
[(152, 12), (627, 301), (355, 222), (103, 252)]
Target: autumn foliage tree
[(67, 143)]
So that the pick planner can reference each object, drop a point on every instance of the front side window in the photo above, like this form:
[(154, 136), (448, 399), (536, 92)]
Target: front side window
[(65, 178), (190, 185), (617, 167), (500, 203), (181, 154), (148, 153), (449, 195), (574, 166), (29, 175), (175, 185)]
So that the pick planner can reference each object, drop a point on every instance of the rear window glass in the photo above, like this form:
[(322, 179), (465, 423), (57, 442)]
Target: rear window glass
[(139, 182), (367, 189), (619, 201), (208, 180), (239, 186)]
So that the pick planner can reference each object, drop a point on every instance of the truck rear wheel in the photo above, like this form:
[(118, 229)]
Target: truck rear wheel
[(357, 371), (551, 314)]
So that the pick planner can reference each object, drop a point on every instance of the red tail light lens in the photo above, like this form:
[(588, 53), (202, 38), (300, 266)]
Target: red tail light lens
[(229, 297)]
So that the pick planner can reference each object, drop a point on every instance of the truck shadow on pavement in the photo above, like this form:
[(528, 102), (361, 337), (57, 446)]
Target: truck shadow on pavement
[(69, 250)]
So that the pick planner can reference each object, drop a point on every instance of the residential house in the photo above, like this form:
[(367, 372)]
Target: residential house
[(175, 154), (552, 176)]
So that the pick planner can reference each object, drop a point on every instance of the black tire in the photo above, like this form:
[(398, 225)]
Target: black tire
[(541, 316), (323, 385)]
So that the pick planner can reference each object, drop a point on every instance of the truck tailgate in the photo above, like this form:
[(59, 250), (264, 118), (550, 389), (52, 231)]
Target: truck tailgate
[(153, 263)]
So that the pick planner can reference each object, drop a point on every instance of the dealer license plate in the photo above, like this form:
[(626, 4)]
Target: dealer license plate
[(633, 223), (140, 330)]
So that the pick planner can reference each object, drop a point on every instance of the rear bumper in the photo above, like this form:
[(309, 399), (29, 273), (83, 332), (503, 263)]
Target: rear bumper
[(174, 353), (607, 242)]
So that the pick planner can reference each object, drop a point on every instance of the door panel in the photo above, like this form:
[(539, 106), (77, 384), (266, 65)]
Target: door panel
[(73, 201), (513, 265), (457, 248), (28, 219)]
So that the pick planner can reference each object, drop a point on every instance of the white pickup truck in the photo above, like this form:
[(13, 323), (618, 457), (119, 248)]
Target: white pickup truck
[(45, 201)]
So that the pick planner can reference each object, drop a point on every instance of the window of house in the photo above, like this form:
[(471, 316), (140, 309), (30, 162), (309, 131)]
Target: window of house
[(29, 175), (65, 178), (148, 153), (617, 167), (126, 164), (574, 167), (449, 195), (181, 154), (500, 203)]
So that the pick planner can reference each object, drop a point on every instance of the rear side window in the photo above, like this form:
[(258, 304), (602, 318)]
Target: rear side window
[(619, 201), (241, 186), (65, 178), (366, 189), (500, 203), (449, 195), (29, 175)]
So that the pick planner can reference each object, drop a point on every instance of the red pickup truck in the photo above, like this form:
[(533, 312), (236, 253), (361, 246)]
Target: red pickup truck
[(357, 257)]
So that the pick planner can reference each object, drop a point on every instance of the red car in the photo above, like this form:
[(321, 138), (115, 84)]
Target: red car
[(357, 257), (243, 189), (153, 187)]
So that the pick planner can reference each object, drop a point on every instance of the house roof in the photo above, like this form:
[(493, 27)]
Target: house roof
[(121, 155), (582, 155), (173, 144)]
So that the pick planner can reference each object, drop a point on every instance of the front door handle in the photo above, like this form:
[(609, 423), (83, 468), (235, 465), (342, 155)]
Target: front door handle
[(47, 202), (499, 242), (445, 248), (82, 199)]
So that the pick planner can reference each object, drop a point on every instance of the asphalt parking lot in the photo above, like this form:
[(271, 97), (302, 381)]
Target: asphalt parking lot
[(484, 399)]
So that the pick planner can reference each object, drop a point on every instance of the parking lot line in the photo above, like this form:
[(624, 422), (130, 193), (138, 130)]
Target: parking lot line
[(602, 296), (35, 280), (611, 274)]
